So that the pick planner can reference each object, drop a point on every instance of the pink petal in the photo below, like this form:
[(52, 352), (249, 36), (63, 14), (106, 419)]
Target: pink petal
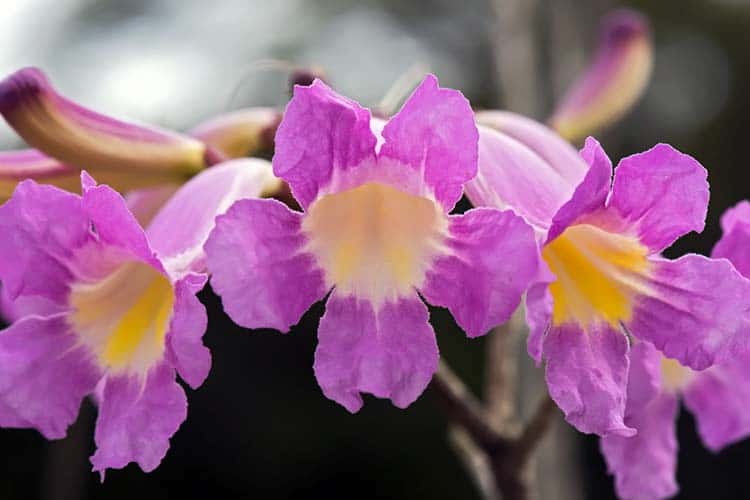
[(435, 135), (513, 176), (586, 376), (388, 352), (321, 136), (590, 195), (259, 267), (697, 311), (718, 398), (492, 258), (182, 226), (735, 242), (559, 155), (137, 418), (185, 338), (44, 375), (662, 194)]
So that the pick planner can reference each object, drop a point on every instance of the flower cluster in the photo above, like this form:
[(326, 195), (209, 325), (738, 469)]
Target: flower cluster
[(101, 288)]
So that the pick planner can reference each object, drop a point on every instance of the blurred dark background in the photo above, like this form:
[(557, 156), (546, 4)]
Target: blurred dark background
[(260, 427)]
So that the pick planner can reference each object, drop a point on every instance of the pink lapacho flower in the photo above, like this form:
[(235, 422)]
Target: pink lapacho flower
[(601, 240), (103, 307), (645, 465), (375, 233)]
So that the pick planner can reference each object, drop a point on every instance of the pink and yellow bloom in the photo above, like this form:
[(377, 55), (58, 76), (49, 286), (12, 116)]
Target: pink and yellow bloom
[(601, 241), (375, 230), (645, 465), (106, 308)]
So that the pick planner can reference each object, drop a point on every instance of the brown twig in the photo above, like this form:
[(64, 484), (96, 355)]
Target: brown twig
[(501, 374), (487, 451), (535, 429), (464, 409), (476, 462)]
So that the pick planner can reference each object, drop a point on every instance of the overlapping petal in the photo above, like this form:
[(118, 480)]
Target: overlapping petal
[(559, 155), (258, 264), (590, 195), (587, 376), (322, 136), (40, 224), (44, 375), (137, 418), (718, 398), (434, 134), (491, 261), (733, 244), (513, 176), (696, 312), (644, 465), (181, 227)]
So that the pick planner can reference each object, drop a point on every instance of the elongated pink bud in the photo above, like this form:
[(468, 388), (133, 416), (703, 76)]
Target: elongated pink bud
[(613, 83), (82, 138)]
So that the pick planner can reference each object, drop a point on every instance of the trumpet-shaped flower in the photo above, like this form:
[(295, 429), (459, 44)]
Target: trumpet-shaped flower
[(111, 309), (601, 241), (645, 465), (375, 230)]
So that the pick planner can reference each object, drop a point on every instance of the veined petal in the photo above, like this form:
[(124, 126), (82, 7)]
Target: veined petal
[(321, 136), (137, 418), (662, 194), (491, 260), (240, 133), (182, 226), (696, 310), (40, 226), (718, 398), (113, 224), (586, 375), (559, 155), (613, 83), (591, 194), (44, 375), (185, 338), (645, 465), (513, 176), (434, 134), (259, 265), (388, 351), (735, 242), (539, 312), (85, 139)]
